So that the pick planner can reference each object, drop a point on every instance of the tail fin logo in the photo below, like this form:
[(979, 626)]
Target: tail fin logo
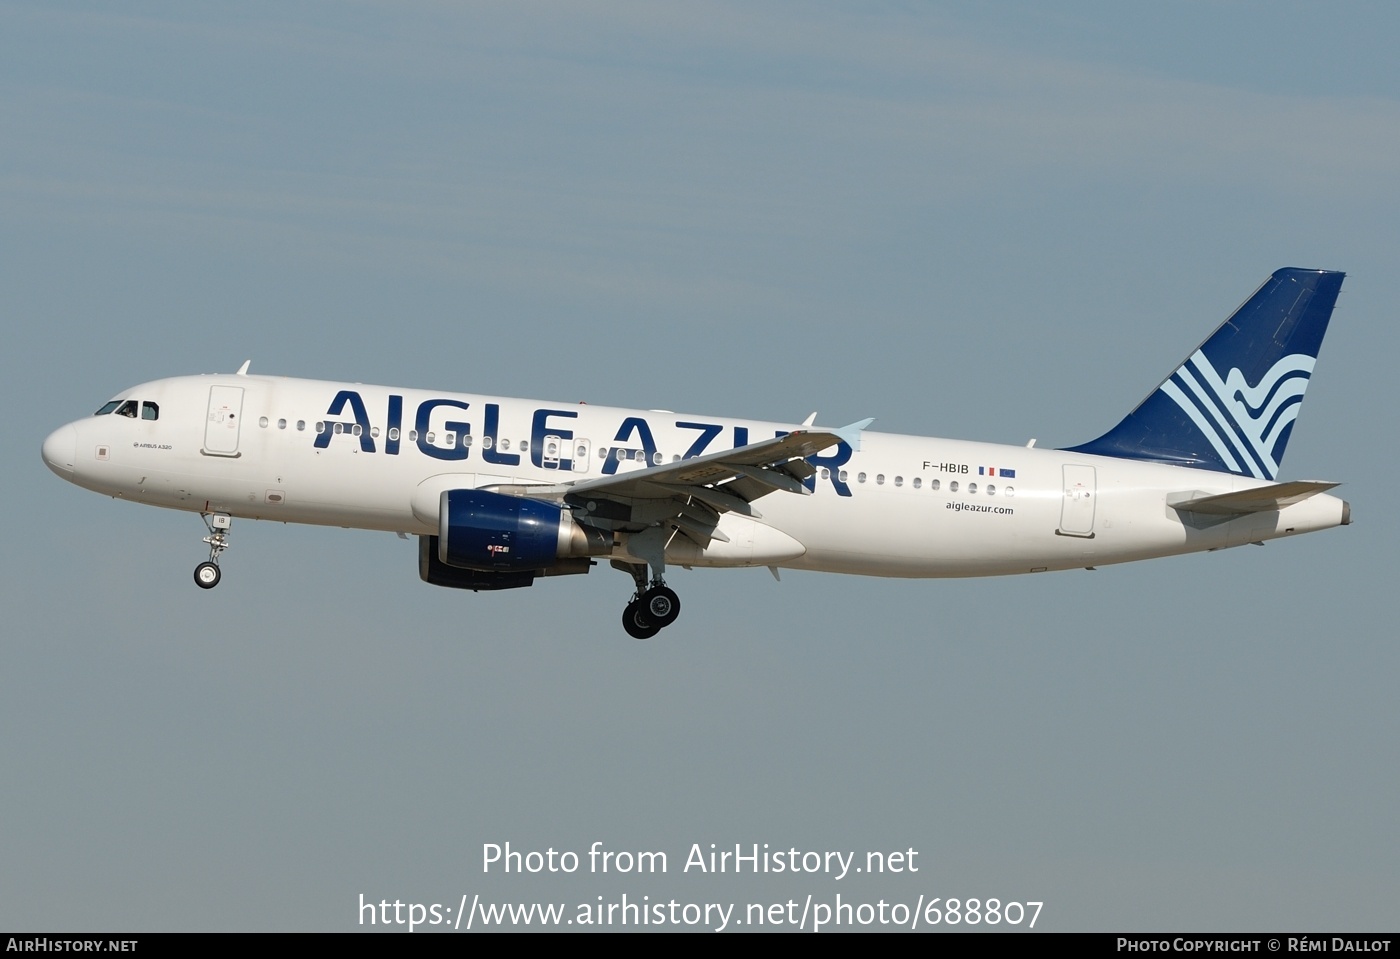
[(1245, 423)]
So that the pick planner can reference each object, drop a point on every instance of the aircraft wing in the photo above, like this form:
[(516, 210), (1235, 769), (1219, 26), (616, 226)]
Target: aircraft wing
[(691, 494)]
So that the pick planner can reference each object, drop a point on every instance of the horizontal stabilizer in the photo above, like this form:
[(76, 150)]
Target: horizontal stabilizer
[(1263, 499)]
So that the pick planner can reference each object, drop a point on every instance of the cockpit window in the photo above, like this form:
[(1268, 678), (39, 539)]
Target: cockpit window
[(127, 409), (107, 408), (150, 411)]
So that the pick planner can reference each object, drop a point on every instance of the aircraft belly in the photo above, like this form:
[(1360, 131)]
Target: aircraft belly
[(242, 490), (894, 533), (904, 533), (750, 543)]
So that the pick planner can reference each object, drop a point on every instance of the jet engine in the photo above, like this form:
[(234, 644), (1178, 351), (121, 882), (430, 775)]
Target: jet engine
[(490, 541)]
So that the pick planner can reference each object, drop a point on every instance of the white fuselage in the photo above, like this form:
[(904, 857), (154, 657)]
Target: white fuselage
[(371, 457)]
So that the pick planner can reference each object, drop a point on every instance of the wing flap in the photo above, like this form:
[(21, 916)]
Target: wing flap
[(718, 499), (778, 479)]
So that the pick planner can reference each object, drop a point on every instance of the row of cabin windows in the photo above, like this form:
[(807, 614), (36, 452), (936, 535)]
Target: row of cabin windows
[(917, 482), (452, 438), (131, 409), (147, 410), (301, 425)]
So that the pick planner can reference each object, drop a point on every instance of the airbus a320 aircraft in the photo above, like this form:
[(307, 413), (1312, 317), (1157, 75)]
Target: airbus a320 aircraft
[(502, 491)]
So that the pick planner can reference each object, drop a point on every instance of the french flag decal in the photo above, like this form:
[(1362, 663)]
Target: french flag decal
[(996, 471)]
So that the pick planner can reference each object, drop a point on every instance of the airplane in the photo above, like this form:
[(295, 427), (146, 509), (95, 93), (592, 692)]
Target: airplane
[(502, 491)]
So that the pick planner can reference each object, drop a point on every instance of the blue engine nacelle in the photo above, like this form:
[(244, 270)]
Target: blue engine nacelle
[(435, 571), (490, 532)]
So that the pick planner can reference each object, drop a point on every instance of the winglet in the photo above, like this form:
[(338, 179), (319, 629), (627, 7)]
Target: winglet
[(243, 370), (850, 435)]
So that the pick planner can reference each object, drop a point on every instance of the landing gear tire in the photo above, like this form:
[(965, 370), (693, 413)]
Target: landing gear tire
[(637, 623), (661, 605), (207, 575)]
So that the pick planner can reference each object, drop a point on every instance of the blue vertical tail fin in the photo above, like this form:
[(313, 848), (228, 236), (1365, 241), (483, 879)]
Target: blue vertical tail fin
[(1231, 404)]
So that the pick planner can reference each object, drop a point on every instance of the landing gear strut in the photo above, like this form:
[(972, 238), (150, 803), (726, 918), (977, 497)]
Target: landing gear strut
[(207, 575), (653, 607)]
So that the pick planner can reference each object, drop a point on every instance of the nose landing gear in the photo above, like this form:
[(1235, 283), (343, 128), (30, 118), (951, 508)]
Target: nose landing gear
[(207, 574)]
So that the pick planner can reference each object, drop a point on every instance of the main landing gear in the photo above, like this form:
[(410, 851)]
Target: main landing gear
[(207, 575), (653, 607)]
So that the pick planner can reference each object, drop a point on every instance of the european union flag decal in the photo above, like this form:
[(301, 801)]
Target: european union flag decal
[(996, 471)]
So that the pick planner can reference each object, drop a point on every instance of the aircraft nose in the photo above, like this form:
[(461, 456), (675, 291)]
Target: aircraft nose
[(60, 450)]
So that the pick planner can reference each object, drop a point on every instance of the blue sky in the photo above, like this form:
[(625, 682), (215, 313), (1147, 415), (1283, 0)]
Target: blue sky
[(998, 222)]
